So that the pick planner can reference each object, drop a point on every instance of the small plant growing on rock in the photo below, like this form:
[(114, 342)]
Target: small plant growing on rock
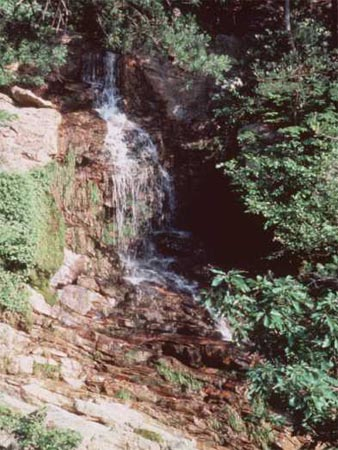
[(32, 434), (181, 379), (149, 435), (123, 394), (47, 370)]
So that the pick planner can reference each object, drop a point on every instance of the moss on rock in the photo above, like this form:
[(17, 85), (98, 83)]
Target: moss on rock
[(32, 233)]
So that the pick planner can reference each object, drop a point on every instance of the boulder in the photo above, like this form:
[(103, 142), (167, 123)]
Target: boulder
[(39, 304), (25, 97), (29, 138), (79, 299), (73, 266)]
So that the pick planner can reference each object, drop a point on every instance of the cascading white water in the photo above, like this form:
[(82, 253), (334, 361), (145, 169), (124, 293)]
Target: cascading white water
[(142, 189)]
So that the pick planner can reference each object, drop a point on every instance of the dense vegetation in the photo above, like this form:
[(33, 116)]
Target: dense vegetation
[(274, 128), (31, 236), (283, 117)]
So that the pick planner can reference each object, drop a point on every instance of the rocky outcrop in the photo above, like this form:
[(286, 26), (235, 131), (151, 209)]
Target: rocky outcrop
[(27, 98), (73, 266), (104, 426), (130, 375), (165, 85), (28, 137)]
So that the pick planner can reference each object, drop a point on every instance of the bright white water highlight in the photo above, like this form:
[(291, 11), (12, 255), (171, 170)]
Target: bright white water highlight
[(142, 190)]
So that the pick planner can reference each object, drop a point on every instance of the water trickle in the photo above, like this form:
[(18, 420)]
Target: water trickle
[(142, 190)]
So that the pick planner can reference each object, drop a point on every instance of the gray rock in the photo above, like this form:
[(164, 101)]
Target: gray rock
[(122, 429), (21, 365), (7, 441), (39, 304), (78, 299), (73, 266), (30, 139), (12, 341), (25, 97), (129, 423), (72, 373), (38, 395)]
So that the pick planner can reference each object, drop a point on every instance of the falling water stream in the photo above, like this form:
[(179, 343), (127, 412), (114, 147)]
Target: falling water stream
[(143, 194), (142, 189)]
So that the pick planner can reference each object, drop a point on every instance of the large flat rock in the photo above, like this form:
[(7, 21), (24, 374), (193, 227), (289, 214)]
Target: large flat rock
[(30, 138), (131, 431)]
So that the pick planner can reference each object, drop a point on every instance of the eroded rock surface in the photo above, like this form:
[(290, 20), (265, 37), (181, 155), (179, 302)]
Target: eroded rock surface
[(27, 98), (122, 377), (29, 138)]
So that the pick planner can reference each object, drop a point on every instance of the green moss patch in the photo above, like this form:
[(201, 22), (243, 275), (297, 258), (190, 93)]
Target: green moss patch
[(149, 435), (32, 235)]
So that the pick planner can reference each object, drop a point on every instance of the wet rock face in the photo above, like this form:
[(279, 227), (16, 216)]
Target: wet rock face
[(86, 203), (163, 85), (176, 114)]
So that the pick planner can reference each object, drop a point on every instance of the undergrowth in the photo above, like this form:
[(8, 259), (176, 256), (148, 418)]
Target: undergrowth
[(31, 433)]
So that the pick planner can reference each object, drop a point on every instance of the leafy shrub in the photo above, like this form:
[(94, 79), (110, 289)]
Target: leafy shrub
[(13, 294), (286, 122), (31, 235), (27, 42), (18, 211), (295, 328), (31, 231), (32, 434)]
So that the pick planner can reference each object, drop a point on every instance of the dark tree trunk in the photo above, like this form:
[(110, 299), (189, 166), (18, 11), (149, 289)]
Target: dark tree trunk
[(334, 23), (287, 19)]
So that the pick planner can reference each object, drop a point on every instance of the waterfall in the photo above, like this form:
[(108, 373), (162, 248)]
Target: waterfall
[(142, 190)]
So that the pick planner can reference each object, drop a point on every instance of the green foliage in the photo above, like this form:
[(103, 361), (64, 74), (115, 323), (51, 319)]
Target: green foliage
[(149, 435), (123, 394), (32, 231), (28, 46), (30, 35), (181, 379), (153, 26), (31, 235), (18, 211), (46, 370), (32, 434), (13, 294), (281, 112), (287, 161), (295, 327), (6, 118)]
